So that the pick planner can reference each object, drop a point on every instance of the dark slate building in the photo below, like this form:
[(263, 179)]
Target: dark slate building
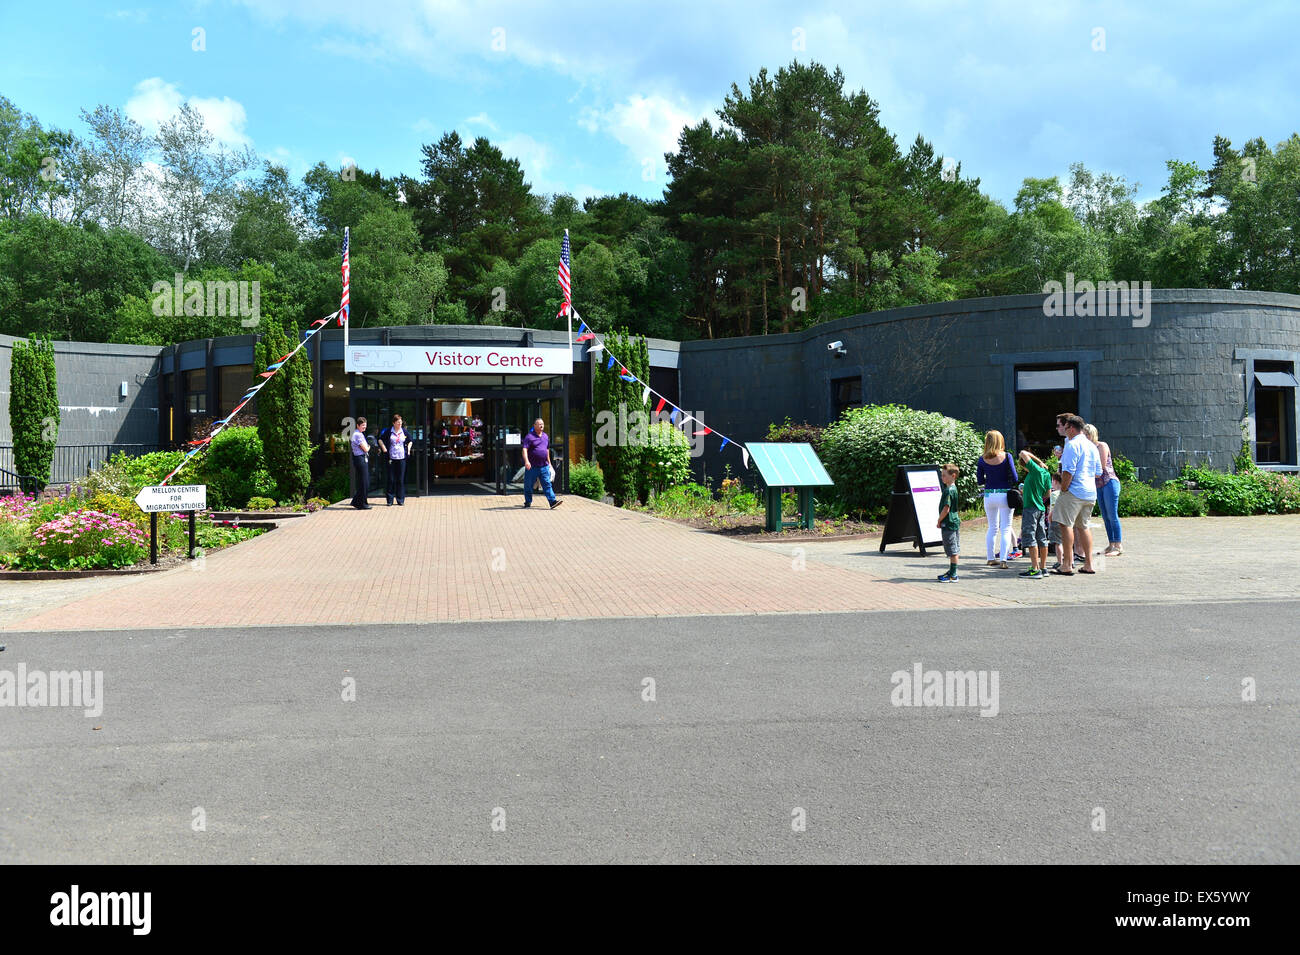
[(1184, 377)]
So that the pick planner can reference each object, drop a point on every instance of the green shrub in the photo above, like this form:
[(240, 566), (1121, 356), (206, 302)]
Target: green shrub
[(862, 450), (790, 433), (1229, 494), (125, 475), (1141, 500), (665, 459), (234, 469), (334, 482), (259, 504), (212, 536), (1125, 469), (1283, 491), (587, 480), (15, 539), (315, 504), (1247, 492), (734, 495)]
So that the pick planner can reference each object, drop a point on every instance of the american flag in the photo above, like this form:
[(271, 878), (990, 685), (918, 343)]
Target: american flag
[(563, 277), (347, 276)]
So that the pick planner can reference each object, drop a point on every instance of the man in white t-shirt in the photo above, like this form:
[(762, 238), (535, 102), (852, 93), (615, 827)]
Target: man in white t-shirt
[(1080, 465)]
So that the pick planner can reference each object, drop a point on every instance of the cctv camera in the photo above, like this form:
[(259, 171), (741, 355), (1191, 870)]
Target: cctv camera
[(835, 346)]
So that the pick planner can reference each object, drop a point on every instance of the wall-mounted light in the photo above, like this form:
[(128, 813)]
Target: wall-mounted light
[(122, 390)]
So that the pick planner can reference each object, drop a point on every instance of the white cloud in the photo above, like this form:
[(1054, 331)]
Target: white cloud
[(647, 125), (534, 157), (482, 119), (156, 101)]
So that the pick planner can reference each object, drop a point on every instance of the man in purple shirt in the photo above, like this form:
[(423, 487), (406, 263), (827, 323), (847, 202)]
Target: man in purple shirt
[(537, 459)]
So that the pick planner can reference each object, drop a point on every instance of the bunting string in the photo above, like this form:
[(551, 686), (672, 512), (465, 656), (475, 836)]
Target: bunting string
[(271, 371), (585, 334)]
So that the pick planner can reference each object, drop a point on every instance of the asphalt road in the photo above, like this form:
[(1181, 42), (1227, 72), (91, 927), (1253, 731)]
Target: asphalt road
[(1135, 710)]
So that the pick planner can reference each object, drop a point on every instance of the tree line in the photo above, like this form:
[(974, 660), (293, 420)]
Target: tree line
[(794, 206)]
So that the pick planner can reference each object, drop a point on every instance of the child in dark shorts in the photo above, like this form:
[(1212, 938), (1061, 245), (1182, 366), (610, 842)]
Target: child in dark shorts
[(1033, 516), (949, 523)]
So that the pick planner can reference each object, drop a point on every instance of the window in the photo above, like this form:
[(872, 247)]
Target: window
[(196, 391), (846, 393), (1043, 392), (233, 381), (1275, 391)]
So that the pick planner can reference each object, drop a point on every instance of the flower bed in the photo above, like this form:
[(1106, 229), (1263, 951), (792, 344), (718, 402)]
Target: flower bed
[(66, 532)]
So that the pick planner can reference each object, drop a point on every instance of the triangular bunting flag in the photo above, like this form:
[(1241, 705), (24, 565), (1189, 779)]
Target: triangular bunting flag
[(609, 364), (744, 454), (595, 348), (725, 442), (645, 394), (660, 406), (707, 430), (673, 417)]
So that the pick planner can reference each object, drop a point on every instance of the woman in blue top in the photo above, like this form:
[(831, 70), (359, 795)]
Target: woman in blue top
[(996, 473)]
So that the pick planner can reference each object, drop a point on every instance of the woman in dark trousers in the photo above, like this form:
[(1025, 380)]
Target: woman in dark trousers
[(395, 441)]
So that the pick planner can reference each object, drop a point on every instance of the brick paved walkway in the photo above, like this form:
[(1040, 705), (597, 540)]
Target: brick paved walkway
[(477, 557)]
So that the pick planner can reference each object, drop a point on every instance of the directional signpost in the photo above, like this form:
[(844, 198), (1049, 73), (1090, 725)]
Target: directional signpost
[(171, 499)]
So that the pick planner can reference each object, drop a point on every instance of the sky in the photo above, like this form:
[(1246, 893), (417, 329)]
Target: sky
[(588, 96)]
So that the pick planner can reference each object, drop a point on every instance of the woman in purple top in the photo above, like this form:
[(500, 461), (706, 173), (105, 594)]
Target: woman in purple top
[(996, 473), (1107, 494)]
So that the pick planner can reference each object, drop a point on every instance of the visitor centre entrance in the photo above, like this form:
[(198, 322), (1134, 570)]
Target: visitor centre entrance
[(467, 430)]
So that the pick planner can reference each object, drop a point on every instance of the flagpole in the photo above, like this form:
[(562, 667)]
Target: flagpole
[(346, 323), (568, 312)]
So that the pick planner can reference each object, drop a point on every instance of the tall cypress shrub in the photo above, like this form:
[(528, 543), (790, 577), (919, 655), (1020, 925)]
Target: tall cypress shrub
[(284, 413), (615, 402), (34, 407)]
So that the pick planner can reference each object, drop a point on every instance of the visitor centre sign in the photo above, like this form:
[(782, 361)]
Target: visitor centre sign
[(457, 359)]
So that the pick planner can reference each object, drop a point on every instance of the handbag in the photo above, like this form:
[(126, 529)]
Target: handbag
[(1014, 499)]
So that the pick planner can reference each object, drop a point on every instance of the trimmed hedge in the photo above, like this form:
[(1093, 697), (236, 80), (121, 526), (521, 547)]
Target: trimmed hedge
[(862, 450)]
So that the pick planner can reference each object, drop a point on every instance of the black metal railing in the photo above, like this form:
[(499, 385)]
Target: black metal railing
[(72, 461), (11, 483)]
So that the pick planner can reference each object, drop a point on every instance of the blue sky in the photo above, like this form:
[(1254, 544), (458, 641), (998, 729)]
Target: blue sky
[(589, 95)]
